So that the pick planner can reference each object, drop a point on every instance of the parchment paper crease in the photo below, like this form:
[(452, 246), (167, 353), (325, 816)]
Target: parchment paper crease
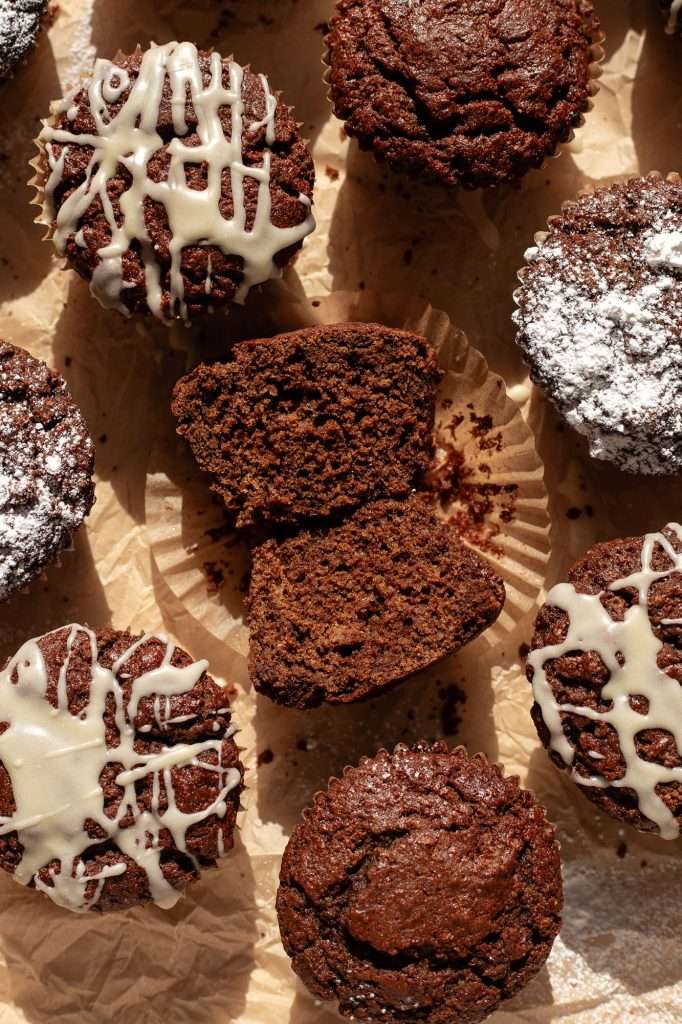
[(216, 957)]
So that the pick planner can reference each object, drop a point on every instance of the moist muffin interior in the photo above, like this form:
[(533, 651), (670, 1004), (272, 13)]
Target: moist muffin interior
[(339, 613)]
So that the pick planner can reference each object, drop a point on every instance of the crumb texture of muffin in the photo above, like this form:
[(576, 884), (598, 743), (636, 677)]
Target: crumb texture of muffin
[(423, 886), (340, 612), (119, 776), (600, 321), (606, 671), (20, 23), (471, 92), (46, 466), (175, 181), (312, 423)]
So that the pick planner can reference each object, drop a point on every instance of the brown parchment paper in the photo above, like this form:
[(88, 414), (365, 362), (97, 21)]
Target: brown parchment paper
[(216, 957)]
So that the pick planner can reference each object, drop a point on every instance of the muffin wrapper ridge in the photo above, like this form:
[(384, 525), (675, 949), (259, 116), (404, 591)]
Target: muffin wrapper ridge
[(597, 53), (205, 564)]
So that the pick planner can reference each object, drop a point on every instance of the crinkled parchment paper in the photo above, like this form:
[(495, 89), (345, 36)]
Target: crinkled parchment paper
[(216, 957)]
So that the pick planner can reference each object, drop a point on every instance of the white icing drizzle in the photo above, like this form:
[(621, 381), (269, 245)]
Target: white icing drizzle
[(629, 650), (55, 760), (130, 139), (675, 9)]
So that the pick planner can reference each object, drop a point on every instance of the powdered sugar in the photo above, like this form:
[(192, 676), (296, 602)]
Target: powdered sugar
[(19, 26), (45, 465), (601, 328)]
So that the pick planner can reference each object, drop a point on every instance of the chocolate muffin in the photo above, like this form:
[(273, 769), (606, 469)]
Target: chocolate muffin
[(606, 669), (422, 886), (175, 181), (465, 93), (119, 775), (46, 466), (312, 423), (600, 321), (20, 23), (339, 613)]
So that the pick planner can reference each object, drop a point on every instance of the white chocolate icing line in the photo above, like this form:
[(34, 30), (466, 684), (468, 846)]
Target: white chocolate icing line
[(629, 650), (55, 760), (130, 139)]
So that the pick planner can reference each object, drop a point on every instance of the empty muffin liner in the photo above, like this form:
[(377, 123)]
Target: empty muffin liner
[(487, 474), (597, 55)]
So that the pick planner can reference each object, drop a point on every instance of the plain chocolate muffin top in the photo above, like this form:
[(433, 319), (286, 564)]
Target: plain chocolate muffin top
[(606, 669), (119, 776), (471, 92), (46, 466), (175, 181), (312, 423), (600, 321), (422, 886), (339, 613)]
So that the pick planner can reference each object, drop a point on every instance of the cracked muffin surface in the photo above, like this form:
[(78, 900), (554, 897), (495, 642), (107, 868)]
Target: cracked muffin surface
[(421, 886), (462, 93)]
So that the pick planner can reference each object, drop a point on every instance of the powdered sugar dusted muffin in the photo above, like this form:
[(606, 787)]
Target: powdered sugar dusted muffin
[(606, 666), (46, 465), (600, 321), (20, 22), (175, 181), (119, 775)]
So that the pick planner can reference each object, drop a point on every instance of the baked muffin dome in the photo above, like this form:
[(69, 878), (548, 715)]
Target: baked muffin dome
[(422, 886), (119, 776), (606, 669), (46, 466), (20, 23), (175, 181), (462, 93), (600, 321)]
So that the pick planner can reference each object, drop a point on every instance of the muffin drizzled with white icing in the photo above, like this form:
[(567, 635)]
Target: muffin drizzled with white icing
[(606, 670), (175, 181), (119, 775), (600, 321), (46, 467)]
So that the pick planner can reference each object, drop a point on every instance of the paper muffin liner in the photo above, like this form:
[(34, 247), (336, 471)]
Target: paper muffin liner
[(488, 472), (37, 182), (597, 54)]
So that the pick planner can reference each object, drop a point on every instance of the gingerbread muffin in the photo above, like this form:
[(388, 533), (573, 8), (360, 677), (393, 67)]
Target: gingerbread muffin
[(174, 181), (606, 669), (421, 887), (600, 321), (46, 466), (340, 613), (312, 423), (465, 93), (20, 24), (119, 775)]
